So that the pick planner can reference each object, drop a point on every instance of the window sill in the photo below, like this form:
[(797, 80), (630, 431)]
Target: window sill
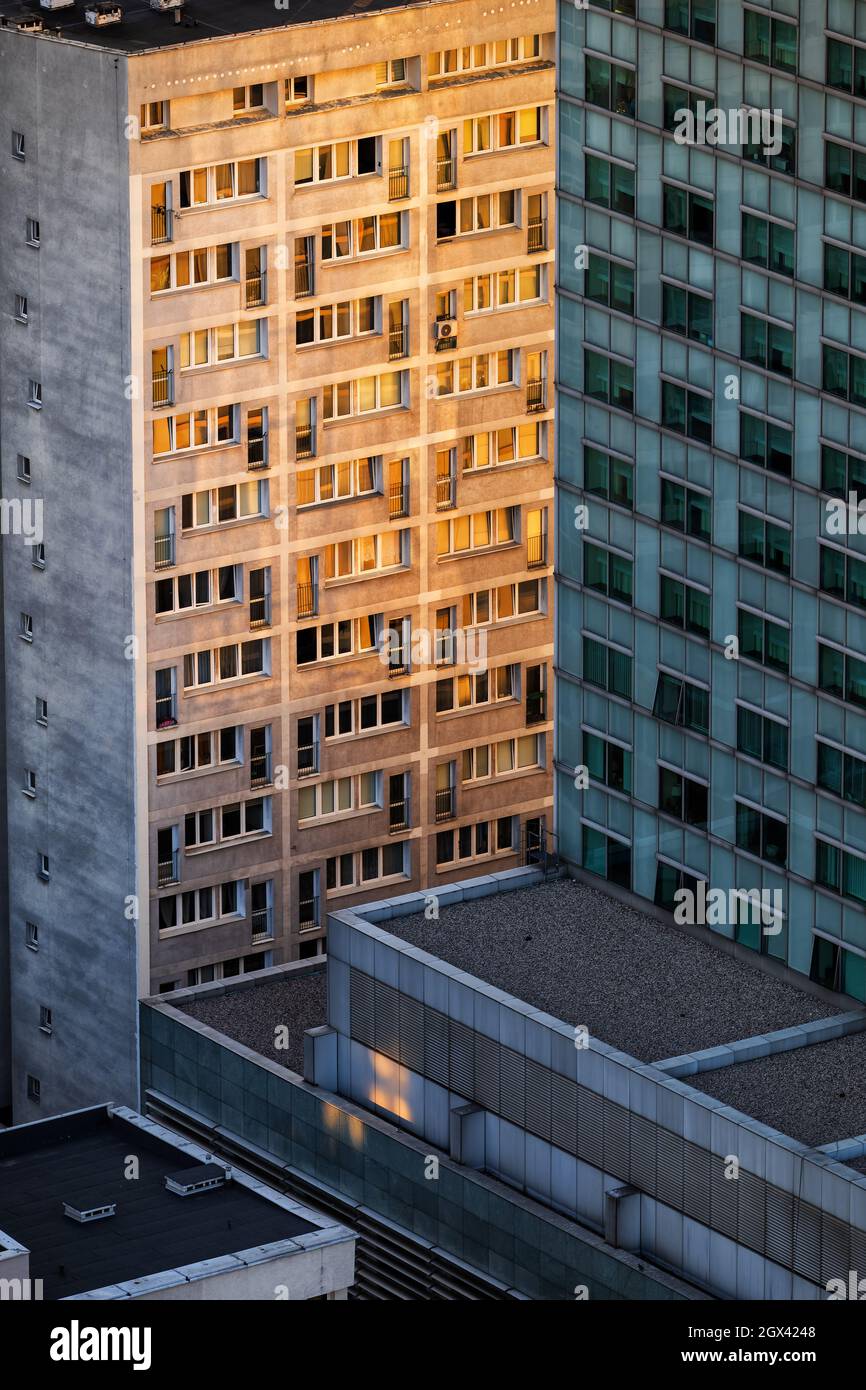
[(450, 556), (337, 739), (368, 885), (167, 778), (201, 285), (198, 608), (165, 933), (203, 368), (362, 256), (178, 455), (377, 414), (196, 851), (242, 198), (335, 816), (228, 684), (342, 580)]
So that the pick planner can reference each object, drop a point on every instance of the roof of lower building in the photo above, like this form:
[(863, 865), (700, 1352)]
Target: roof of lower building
[(294, 1000)]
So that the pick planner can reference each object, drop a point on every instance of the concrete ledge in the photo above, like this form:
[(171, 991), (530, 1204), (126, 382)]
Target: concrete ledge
[(765, 1044)]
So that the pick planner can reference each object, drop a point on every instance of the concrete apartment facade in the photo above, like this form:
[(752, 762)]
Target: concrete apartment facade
[(710, 356), (315, 387)]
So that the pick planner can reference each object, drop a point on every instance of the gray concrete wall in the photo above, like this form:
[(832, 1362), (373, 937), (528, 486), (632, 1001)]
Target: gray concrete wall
[(69, 101)]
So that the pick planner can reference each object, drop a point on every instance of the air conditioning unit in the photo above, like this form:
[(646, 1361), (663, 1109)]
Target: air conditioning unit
[(104, 12), (445, 332), (55, 4)]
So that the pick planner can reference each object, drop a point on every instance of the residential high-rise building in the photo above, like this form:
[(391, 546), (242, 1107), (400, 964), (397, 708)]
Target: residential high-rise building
[(275, 364), (711, 364)]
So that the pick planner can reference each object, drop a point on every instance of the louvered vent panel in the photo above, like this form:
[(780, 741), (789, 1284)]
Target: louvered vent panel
[(807, 1242), (563, 1113), (696, 1182), (724, 1198), (590, 1132), (361, 1004), (487, 1073), (462, 1058), (537, 1099), (750, 1215), (512, 1086), (616, 1140), (669, 1169), (436, 1046), (779, 1218), (835, 1249), (642, 1154), (387, 1020), (411, 1033)]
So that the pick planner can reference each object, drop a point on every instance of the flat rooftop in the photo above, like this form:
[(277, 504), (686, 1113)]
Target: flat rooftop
[(82, 1158), (638, 984), (143, 29), (250, 1015)]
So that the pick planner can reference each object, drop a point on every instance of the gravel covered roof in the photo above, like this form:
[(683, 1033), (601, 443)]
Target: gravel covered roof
[(638, 984), (816, 1094), (250, 1015)]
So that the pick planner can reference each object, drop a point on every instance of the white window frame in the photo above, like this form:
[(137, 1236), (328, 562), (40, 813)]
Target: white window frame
[(193, 662), (350, 787), (338, 472), (241, 490), (332, 556), (319, 311), (210, 418), (211, 200)]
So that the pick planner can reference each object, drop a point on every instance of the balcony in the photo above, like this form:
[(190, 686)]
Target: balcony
[(257, 452), (398, 342), (536, 551), (308, 913), (536, 394), (305, 442), (308, 600), (536, 707), (398, 183), (255, 290), (446, 493), (166, 711), (262, 925), (260, 612), (168, 870), (398, 500), (261, 770), (446, 174), (398, 815), (536, 235), (163, 552), (308, 759), (162, 386), (160, 225), (445, 803), (303, 280)]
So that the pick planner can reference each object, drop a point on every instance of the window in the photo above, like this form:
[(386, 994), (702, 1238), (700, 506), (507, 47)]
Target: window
[(840, 870), (367, 865), (845, 273), (43, 867), (685, 509), (507, 601), (670, 880), (34, 1086), (610, 283), (366, 715), (761, 834), (607, 857), (18, 145), (231, 662), (607, 667), (485, 293), (762, 738), (481, 373), (240, 178), (769, 40), (25, 626), (688, 214), (607, 476), (682, 703), (844, 374), (31, 935), (841, 674), (477, 688), (199, 590), (607, 762), (507, 130), (607, 572), (340, 796), (24, 471), (221, 505), (187, 269), (197, 429), (346, 319), (45, 1019), (767, 244), (607, 379), (833, 965), (201, 906), (512, 444), (366, 554), (34, 394), (764, 542), (21, 308), (154, 115), (391, 72), (845, 170), (297, 90), (477, 531), (344, 160), (346, 637), (766, 443), (758, 147), (480, 55), (196, 752), (362, 395), (382, 231), (766, 344), (29, 787), (482, 213), (499, 759), (226, 343), (763, 640), (610, 185), (842, 473), (846, 67), (688, 412), (843, 575), (250, 98), (684, 605), (687, 313), (841, 772), (683, 798), (332, 482), (37, 555), (696, 18), (677, 100), (41, 710), (610, 85)]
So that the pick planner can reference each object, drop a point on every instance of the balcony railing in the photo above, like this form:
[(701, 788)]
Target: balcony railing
[(398, 183), (308, 600), (305, 442), (446, 173), (257, 451), (445, 648), (445, 807), (166, 711), (163, 552), (260, 611), (536, 707), (308, 759), (446, 491), (261, 769), (536, 234), (168, 870), (536, 551), (262, 924), (398, 500), (398, 815), (303, 280), (398, 662), (163, 388), (536, 394), (160, 225), (255, 290), (398, 342), (308, 913)]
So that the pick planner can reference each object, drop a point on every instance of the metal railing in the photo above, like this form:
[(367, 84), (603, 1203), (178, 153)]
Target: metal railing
[(260, 611), (168, 870), (445, 803), (398, 342), (163, 552), (303, 280), (255, 290), (261, 769), (445, 493), (398, 183), (398, 815), (262, 919), (536, 551), (446, 173), (398, 663), (308, 600), (257, 451), (536, 394), (160, 224), (445, 648), (308, 759), (398, 500), (162, 386), (536, 234), (308, 913), (305, 442), (536, 707), (166, 711)]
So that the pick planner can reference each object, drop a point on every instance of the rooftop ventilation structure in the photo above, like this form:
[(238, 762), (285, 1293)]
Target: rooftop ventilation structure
[(203, 1178), (82, 1213), (103, 12)]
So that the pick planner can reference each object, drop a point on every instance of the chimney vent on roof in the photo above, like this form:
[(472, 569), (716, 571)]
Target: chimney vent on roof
[(83, 1211)]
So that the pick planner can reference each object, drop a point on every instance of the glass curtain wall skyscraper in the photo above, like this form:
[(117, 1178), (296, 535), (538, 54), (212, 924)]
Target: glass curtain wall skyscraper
[(711, 603)]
